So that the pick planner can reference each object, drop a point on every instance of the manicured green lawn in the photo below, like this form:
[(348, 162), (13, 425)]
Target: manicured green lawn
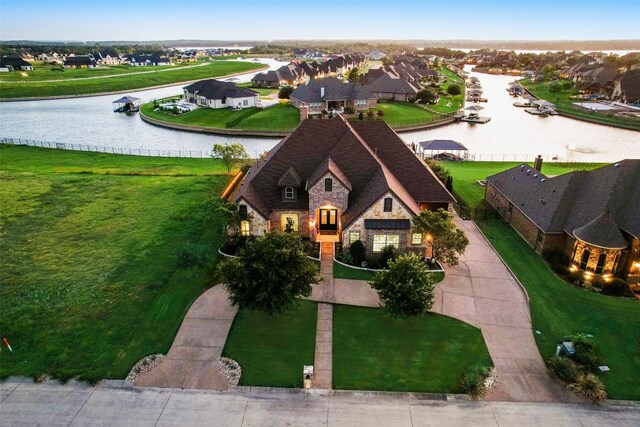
[(280, 117), (138, 80), (273, 349), (263, 91), (466, 175), (429, 353), (449, 103), (405, 114), (89, 279), (342, 272), (559, 310), (566, 107)]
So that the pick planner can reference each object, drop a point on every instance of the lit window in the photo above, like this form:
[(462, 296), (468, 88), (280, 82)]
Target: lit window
[(388, 204), (382, 240), (328, 184), (245, 228), (294, 221), (416, 239), (353, 236), (288, 193)]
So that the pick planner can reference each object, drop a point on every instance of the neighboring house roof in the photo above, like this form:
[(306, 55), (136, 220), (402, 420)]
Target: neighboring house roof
[(389, 84), (442, 144), (570, 201), (334, 90), (368, 157), (215, 89), (630, 85), (79, 60), (13, 61), (269, 76)]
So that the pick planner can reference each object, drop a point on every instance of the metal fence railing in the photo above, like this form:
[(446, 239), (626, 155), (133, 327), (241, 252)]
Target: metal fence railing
[(198, 154)]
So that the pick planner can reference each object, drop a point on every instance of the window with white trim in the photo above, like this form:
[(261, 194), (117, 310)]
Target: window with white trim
[(353, 236), (289, 193), (245, 228), (382, 240), (416, 239)]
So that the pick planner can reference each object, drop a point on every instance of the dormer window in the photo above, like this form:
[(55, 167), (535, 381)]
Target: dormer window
[(328, 184), (289, 193)]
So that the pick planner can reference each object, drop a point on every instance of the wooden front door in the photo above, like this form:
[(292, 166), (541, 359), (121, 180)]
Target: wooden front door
[(328, 219)]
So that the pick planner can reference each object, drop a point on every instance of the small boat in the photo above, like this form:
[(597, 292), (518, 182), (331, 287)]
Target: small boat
[(522, 104)]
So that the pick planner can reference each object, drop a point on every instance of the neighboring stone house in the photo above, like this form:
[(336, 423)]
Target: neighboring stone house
[(332, 94), (593, 217), (213, 93), (342, 181), (626, 88)]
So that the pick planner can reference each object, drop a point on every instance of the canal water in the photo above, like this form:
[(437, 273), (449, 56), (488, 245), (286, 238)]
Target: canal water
[(511, 134)]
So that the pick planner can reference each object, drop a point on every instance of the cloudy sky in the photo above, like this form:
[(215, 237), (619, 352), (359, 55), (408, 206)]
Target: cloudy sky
[(321, 19)]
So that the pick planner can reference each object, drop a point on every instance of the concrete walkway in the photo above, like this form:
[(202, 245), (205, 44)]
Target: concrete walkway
[(192, 361), (323, 361), (481, 291), (23, 403)]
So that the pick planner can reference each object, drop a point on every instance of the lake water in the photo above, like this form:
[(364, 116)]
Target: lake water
[(511, 134)]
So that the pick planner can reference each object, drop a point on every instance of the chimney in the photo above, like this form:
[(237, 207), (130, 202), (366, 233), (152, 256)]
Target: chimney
[(537, 164), (322, 92), (304, 112)]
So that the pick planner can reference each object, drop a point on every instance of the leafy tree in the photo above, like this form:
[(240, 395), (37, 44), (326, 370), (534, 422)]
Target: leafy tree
[(454, 90), (406, 289), (231, 216), (426, 96), (285, 92), (231, 154), (354, 74), (360, 115), (547, 70), (447, 240), (269, 274), (387, 61)]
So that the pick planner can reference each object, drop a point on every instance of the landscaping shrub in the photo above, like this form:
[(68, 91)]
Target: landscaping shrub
[(472, 382), (556, 257), (437, 168), (380, 113), (563, 369), (389, 253), (349, 110), (360, 115), (370, 114), (586, 352), (345, 257), (285, 92), (590, 387), (617, 288), (357, 251), (192, 254)]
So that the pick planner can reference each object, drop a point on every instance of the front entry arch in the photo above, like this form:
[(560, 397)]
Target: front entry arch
[(328, 219)]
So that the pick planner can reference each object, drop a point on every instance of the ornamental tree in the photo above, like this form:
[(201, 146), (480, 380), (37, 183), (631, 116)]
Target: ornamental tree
[(354, 74), (454, 89), (447, 240), (407, 288), (231, 154), (269, 274)]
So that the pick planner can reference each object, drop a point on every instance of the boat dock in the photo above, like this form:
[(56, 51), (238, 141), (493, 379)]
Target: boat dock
[(475, 119)]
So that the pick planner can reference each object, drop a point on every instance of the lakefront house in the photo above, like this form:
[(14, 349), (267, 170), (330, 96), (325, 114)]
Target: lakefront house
[(213, 93), (335, 180)]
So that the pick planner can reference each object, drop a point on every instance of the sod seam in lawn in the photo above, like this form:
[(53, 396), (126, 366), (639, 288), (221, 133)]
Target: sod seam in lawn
[(559, 310)]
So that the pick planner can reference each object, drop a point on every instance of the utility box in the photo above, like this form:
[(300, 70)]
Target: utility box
[(307, 376), (567, 349)]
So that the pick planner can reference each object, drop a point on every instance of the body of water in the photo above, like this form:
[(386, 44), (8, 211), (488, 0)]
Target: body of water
[(511, 134)]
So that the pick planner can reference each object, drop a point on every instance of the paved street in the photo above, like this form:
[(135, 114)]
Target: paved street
[(114, 404)]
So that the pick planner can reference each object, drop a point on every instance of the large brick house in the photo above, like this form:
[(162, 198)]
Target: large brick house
[(593, 217), (336, 180), (332, 94)]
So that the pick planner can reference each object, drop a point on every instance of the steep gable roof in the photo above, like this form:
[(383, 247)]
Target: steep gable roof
[(328, 166), (215, 89), (334, 90)]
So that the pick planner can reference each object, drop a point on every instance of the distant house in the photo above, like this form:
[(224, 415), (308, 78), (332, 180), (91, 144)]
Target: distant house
[(592, 217), (216, 94), (335, 180), (107, 57), (332, 94), (376, 55), (80, 62), (14, 63), (389, 86), (154, 59), (291, 74), (626, 88)]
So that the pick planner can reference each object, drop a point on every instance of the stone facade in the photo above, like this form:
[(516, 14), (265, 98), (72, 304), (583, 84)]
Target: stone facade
[(259, 224), (338, 197), (613, 257), (277, 221)]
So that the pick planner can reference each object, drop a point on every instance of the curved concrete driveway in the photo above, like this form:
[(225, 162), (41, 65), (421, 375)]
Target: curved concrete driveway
[(481, 291), (192, 361)]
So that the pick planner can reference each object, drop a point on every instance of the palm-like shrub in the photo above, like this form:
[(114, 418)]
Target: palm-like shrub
[(563, 369), (590, 386)]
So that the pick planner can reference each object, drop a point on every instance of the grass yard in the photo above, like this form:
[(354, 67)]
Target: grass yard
[(405, 114), (263, 91), (279, 117), (89, 277), (466, 175), (559, 310), (565, 106), (273, 349), (429, 353), (141, 77), (448, 104)]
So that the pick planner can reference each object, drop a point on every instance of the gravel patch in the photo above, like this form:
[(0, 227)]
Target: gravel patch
[(145, 365), (230, 369)]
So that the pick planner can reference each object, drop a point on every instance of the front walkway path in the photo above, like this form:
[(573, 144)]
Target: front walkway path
[(481, 291), (192, 361), (323, 363)]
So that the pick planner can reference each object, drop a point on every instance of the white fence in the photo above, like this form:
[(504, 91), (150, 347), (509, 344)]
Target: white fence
[(109, 150)]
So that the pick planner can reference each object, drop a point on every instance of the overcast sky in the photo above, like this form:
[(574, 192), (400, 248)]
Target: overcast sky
[(321, 19)]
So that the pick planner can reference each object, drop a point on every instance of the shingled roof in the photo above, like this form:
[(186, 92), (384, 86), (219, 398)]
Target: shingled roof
[(334, 90), (369, 157), (571, 201), (215, 89)]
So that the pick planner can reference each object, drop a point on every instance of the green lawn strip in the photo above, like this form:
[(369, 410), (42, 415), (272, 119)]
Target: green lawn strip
[(90, 281), (280, 117), (467, 174), (21, 159), (263, 91), (341, 271), (404, 113), (566, 105), (273, 349), (559, 310), (126, 82), (372, 351)]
